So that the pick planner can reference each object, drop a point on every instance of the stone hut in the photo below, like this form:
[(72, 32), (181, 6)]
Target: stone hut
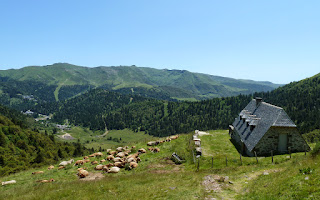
[(262, 127)]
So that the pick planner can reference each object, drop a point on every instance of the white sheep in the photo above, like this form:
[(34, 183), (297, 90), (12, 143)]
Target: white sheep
[(65, 163), (114, 170), (8, 182)]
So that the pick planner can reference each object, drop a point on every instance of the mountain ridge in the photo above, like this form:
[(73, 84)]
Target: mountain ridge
[(196, 85)]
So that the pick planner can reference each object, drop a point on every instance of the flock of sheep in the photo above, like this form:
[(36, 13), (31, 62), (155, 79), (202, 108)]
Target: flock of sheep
[(121, 157)]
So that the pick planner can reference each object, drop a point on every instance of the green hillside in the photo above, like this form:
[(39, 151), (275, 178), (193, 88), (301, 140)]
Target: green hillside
[(22, 147), (162, 84), (158, 177)]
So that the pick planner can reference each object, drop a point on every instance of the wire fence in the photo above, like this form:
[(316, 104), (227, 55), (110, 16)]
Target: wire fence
[(220, 161)]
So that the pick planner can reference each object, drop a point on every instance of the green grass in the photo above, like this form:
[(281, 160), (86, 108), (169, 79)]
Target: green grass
[(159, 178), (56, 92), (185, 99), (119, 137), (128, 85), (152, 179)]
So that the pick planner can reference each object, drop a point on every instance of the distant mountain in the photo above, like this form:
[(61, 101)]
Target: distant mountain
[(61, 81)]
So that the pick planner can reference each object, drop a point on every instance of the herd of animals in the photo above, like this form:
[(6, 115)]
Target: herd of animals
[(121, 157)]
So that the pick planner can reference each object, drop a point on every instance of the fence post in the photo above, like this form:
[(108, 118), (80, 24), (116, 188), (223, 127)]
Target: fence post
[(305, 150), (212, 162), (198, 164), (255, 153), (226, 161), (240, 159), (290, 152), (194, 160), (272, 155)]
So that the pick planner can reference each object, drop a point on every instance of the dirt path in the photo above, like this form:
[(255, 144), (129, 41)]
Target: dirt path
[(104, 134), (56, 92)]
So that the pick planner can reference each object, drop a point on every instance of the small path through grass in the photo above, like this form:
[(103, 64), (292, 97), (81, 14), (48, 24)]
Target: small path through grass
[(104, 134), (56, 92)]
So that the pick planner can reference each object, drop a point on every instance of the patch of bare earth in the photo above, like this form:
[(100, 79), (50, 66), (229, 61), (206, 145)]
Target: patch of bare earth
[(166, 165), (92, 177), (217, 184), (214, 182)]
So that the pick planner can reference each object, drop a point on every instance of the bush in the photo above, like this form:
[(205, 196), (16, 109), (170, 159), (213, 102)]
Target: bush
[(307, 170), (316, 150), (313, 136)]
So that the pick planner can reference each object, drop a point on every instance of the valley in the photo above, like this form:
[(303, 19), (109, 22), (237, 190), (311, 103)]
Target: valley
[(163, 100), (96, 117)]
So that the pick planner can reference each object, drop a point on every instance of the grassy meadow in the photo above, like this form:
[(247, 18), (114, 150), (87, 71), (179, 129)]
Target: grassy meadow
[(112, 139), (157, 177)]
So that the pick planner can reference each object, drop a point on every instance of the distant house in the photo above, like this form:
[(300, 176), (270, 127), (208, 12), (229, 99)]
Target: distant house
[(262, 128), (28, 112), (63, 127)]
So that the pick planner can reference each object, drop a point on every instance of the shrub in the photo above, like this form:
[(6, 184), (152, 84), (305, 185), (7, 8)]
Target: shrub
[(316, 150), (313, 136), (307, 170)]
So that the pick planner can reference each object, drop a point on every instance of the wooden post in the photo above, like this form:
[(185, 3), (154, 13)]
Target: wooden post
[(305, 150), (198, 164), (212, 162), (255, 153), (242, 147), (240, 159), (290, 152), (226, 161), (272, 156), (194, 160)]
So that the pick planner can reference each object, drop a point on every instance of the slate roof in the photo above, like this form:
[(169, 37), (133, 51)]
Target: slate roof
[(260, 117)]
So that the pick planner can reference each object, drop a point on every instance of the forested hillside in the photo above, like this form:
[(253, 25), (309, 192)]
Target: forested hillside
[(163, 119), (99, 108), (301, 100), (88, 109), (22, 95), (22, 148)]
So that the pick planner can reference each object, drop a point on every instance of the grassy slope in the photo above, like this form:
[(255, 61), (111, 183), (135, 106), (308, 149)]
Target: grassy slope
[(157, 178), (128, 137)]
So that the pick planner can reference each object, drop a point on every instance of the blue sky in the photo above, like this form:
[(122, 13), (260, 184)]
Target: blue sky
[(277, 41)]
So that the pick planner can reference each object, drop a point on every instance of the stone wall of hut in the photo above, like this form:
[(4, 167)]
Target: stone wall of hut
[(269, 142)]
